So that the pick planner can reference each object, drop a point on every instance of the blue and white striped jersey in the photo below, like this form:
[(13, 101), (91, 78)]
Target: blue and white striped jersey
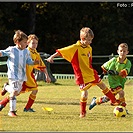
[(16, 63)]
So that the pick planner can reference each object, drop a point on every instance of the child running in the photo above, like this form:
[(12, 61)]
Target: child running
[(18, 57), (30, 84), (80, 57)]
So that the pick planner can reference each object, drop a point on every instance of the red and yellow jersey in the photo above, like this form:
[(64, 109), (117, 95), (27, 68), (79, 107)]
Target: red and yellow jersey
[(31, 84), (81, 60)]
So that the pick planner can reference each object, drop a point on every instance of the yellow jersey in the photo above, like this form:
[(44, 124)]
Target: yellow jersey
[(81, 60), (31, 84)]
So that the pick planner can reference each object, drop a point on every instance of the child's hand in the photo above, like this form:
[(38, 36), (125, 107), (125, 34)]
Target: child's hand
[(123, 73), (48, 79), (50, 59), (36, 62)]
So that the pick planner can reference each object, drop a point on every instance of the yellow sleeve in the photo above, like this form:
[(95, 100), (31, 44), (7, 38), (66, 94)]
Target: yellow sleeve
[(41, 66), (67, 52)]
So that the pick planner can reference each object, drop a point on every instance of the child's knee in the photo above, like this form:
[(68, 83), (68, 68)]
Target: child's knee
[(84, 96)]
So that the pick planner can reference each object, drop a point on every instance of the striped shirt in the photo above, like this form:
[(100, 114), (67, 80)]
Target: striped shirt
[(16, 63)]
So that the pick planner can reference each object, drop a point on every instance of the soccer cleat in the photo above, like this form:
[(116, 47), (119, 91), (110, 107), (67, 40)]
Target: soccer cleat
[(127, 112), (93, 103), (12, 114), (29, 110), (3, 92), (1, 107)]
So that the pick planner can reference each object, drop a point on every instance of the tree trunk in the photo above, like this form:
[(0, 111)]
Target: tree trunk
[(32, 18)]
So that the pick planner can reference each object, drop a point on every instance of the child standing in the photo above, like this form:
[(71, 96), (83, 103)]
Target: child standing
[(18, 57), (118, 68), (80, 57), (30, 84)]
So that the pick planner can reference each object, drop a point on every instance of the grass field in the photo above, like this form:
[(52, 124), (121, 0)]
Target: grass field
[(63, 97)]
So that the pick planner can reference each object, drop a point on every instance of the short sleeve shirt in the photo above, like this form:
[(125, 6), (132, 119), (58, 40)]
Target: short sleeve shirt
[(114, 64), (81, 61)]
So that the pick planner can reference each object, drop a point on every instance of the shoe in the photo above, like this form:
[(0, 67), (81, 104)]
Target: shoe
[(123, 104), (3, 92), (93, 103), (116, 103), (12, 114), (28, 110), (82, 115), (1, 107), (127, 112)]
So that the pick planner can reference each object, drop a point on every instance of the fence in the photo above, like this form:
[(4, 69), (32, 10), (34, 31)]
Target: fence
[(97, 60), (64, 76)]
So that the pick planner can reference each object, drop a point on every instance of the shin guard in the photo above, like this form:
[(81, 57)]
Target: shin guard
[(30, 101), (110, 95)]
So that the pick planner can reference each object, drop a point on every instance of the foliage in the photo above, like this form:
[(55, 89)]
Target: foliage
[(57, 24), (63, 96)]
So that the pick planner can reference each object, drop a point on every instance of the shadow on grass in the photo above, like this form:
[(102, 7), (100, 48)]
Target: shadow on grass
[(54, 102)]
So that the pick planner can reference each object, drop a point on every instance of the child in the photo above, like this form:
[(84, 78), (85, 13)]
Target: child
[(30, 84), (18, 57), (80, 57), (118, 67)]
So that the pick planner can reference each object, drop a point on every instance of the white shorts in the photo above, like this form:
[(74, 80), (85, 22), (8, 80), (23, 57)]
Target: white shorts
[(14, 86)]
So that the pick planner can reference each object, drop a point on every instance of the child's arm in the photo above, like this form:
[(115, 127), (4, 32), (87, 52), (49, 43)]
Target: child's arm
[(48, 80), (50, 59)]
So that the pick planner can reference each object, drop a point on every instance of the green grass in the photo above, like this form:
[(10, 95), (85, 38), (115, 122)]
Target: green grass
[(63, 97)]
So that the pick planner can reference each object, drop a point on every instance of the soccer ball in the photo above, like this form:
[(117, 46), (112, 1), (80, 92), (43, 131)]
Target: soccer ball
[(119, 111)]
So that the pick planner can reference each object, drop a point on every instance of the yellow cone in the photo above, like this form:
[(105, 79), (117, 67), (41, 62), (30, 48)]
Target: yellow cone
[(47, 109)]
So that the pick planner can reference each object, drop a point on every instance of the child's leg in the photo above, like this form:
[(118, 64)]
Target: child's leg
[(4, 102), (97, 101), (122, 98), (108, 93), (83, 102), (30, 102), (13, 103), (15, 87)]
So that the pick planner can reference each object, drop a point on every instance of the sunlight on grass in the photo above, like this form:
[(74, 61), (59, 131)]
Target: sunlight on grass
[(63, 97)]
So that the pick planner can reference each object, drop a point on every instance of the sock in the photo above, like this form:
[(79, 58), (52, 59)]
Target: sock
[(83, 107), (30, 101), (109, 94), (13, 103), (4, 101)]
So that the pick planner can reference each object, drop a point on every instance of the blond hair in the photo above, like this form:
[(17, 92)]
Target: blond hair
[(32, 36), (123, 45), (85, 32), (19, 36)]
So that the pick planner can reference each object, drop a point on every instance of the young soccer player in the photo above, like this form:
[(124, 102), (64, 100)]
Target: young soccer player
[(117, 68), (30, 84), (80, 57), (18, 57)]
